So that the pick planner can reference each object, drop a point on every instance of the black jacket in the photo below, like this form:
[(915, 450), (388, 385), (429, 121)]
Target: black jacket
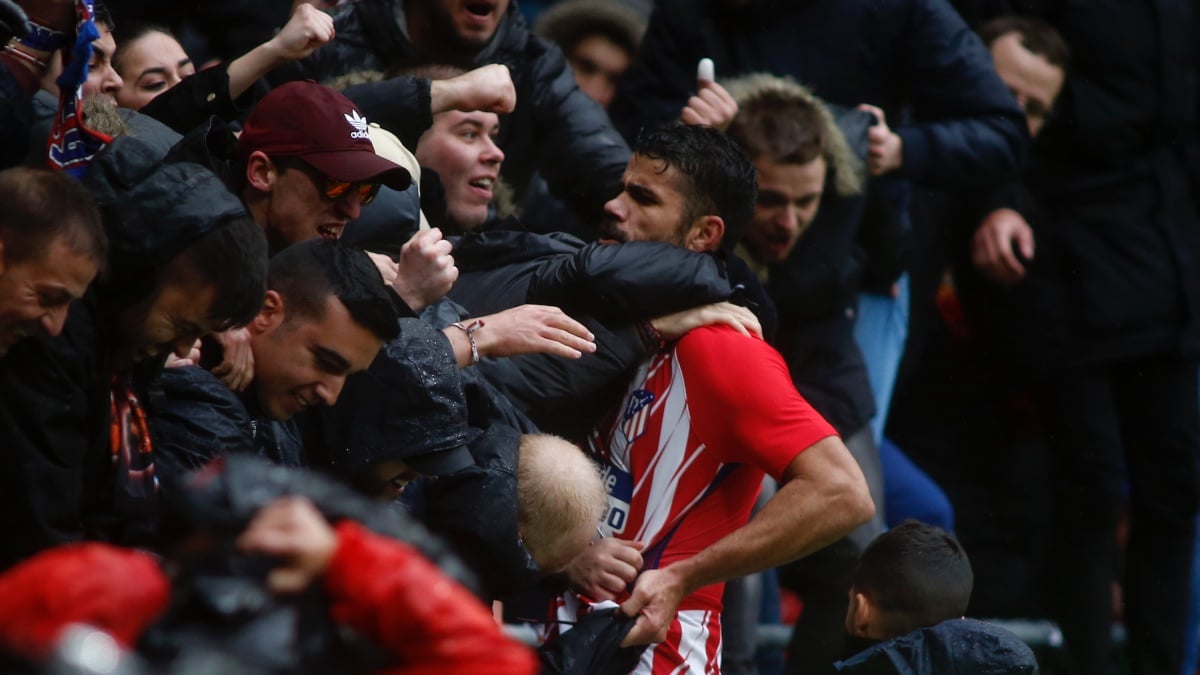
[(197, 418), (954, 646), (1115, 175), (200, 96), (607, 288), (54, 402), (555, 127)]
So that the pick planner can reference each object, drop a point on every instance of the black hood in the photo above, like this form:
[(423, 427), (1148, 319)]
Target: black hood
[(152, 208)]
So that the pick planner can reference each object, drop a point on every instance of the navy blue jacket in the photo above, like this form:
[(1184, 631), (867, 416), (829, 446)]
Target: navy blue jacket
[(954, 646), (894, 54)]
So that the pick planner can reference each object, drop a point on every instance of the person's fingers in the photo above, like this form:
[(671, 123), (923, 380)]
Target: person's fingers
[(605, 588), (559, 319), (701, 107), (1025, 242), (640, 634), (616, 581), (719, 99), (1013, 268), (574, 342), (628, 553), (732, 321), (285, 580), (876, 111)]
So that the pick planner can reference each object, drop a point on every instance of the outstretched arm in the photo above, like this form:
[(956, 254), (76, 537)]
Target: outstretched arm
[(527, 329), (308, 29)]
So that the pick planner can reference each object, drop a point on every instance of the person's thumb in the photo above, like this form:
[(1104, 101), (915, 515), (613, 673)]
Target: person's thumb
[(1024, 238)]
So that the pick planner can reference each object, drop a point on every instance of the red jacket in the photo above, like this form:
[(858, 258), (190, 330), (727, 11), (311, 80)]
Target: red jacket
[(378, 586)]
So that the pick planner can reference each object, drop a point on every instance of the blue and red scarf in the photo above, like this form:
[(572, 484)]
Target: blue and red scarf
[(72, 144)]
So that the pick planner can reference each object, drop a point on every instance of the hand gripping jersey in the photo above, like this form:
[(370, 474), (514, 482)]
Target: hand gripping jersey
[(684, 453)]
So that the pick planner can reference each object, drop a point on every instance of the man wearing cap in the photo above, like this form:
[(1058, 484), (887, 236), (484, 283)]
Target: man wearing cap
[(554, 128), (310, 164)]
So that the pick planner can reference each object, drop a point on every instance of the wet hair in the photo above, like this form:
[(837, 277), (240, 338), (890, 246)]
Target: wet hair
[(41, 206), (232, 258), (781, 120), (916, 575), (1036, 35), (569, 23), (130, 33), (560, 500), (720, 178), (307, 273)]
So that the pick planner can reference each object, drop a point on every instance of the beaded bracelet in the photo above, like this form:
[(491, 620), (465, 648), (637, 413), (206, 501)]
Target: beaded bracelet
[(652, 337), (470, 331)]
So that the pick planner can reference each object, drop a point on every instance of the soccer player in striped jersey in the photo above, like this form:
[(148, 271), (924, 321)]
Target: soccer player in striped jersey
[(684, 451)]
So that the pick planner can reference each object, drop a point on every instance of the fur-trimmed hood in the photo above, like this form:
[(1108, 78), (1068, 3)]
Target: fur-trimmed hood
[(847, 166)]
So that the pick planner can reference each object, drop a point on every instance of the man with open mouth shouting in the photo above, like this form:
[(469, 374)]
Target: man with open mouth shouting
[(309, 164)]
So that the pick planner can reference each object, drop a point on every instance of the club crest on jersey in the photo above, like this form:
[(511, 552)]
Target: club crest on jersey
[(637, 411)]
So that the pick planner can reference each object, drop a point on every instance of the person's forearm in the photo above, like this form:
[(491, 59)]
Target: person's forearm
[(244, 71), (805, 516)]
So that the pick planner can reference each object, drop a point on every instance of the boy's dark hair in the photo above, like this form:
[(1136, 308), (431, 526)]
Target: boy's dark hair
[(720, 178), (232, 258), (307, 273), (42, 205), (917, 575), (1036, 35)]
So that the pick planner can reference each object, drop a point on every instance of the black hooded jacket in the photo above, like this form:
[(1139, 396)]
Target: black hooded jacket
[(555, 127), (54, 392)]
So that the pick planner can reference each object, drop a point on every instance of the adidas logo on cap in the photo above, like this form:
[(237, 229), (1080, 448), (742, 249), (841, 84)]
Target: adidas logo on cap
[(359, 124)]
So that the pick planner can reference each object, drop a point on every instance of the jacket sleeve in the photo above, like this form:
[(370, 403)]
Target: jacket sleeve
[(580, 153), (390, 593), (53, 422), (119, 591), (198, 419), (966, 123), (16, 116), (401, 105), (657, 86), (537, 381), (197, 97), (637, 280)]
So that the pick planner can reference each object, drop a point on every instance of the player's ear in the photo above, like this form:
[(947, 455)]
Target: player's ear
[(705, 234)]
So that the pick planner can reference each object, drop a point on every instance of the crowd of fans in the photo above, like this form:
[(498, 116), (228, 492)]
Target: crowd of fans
[(337, 337)]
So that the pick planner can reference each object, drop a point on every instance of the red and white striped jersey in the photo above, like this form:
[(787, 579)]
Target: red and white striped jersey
[(684, 453)]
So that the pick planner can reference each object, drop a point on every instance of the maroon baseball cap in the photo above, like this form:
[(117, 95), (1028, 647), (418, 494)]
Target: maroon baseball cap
[(319, 125)]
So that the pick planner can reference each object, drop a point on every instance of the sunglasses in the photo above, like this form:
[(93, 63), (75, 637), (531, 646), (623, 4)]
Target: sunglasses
[(335, 189)]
